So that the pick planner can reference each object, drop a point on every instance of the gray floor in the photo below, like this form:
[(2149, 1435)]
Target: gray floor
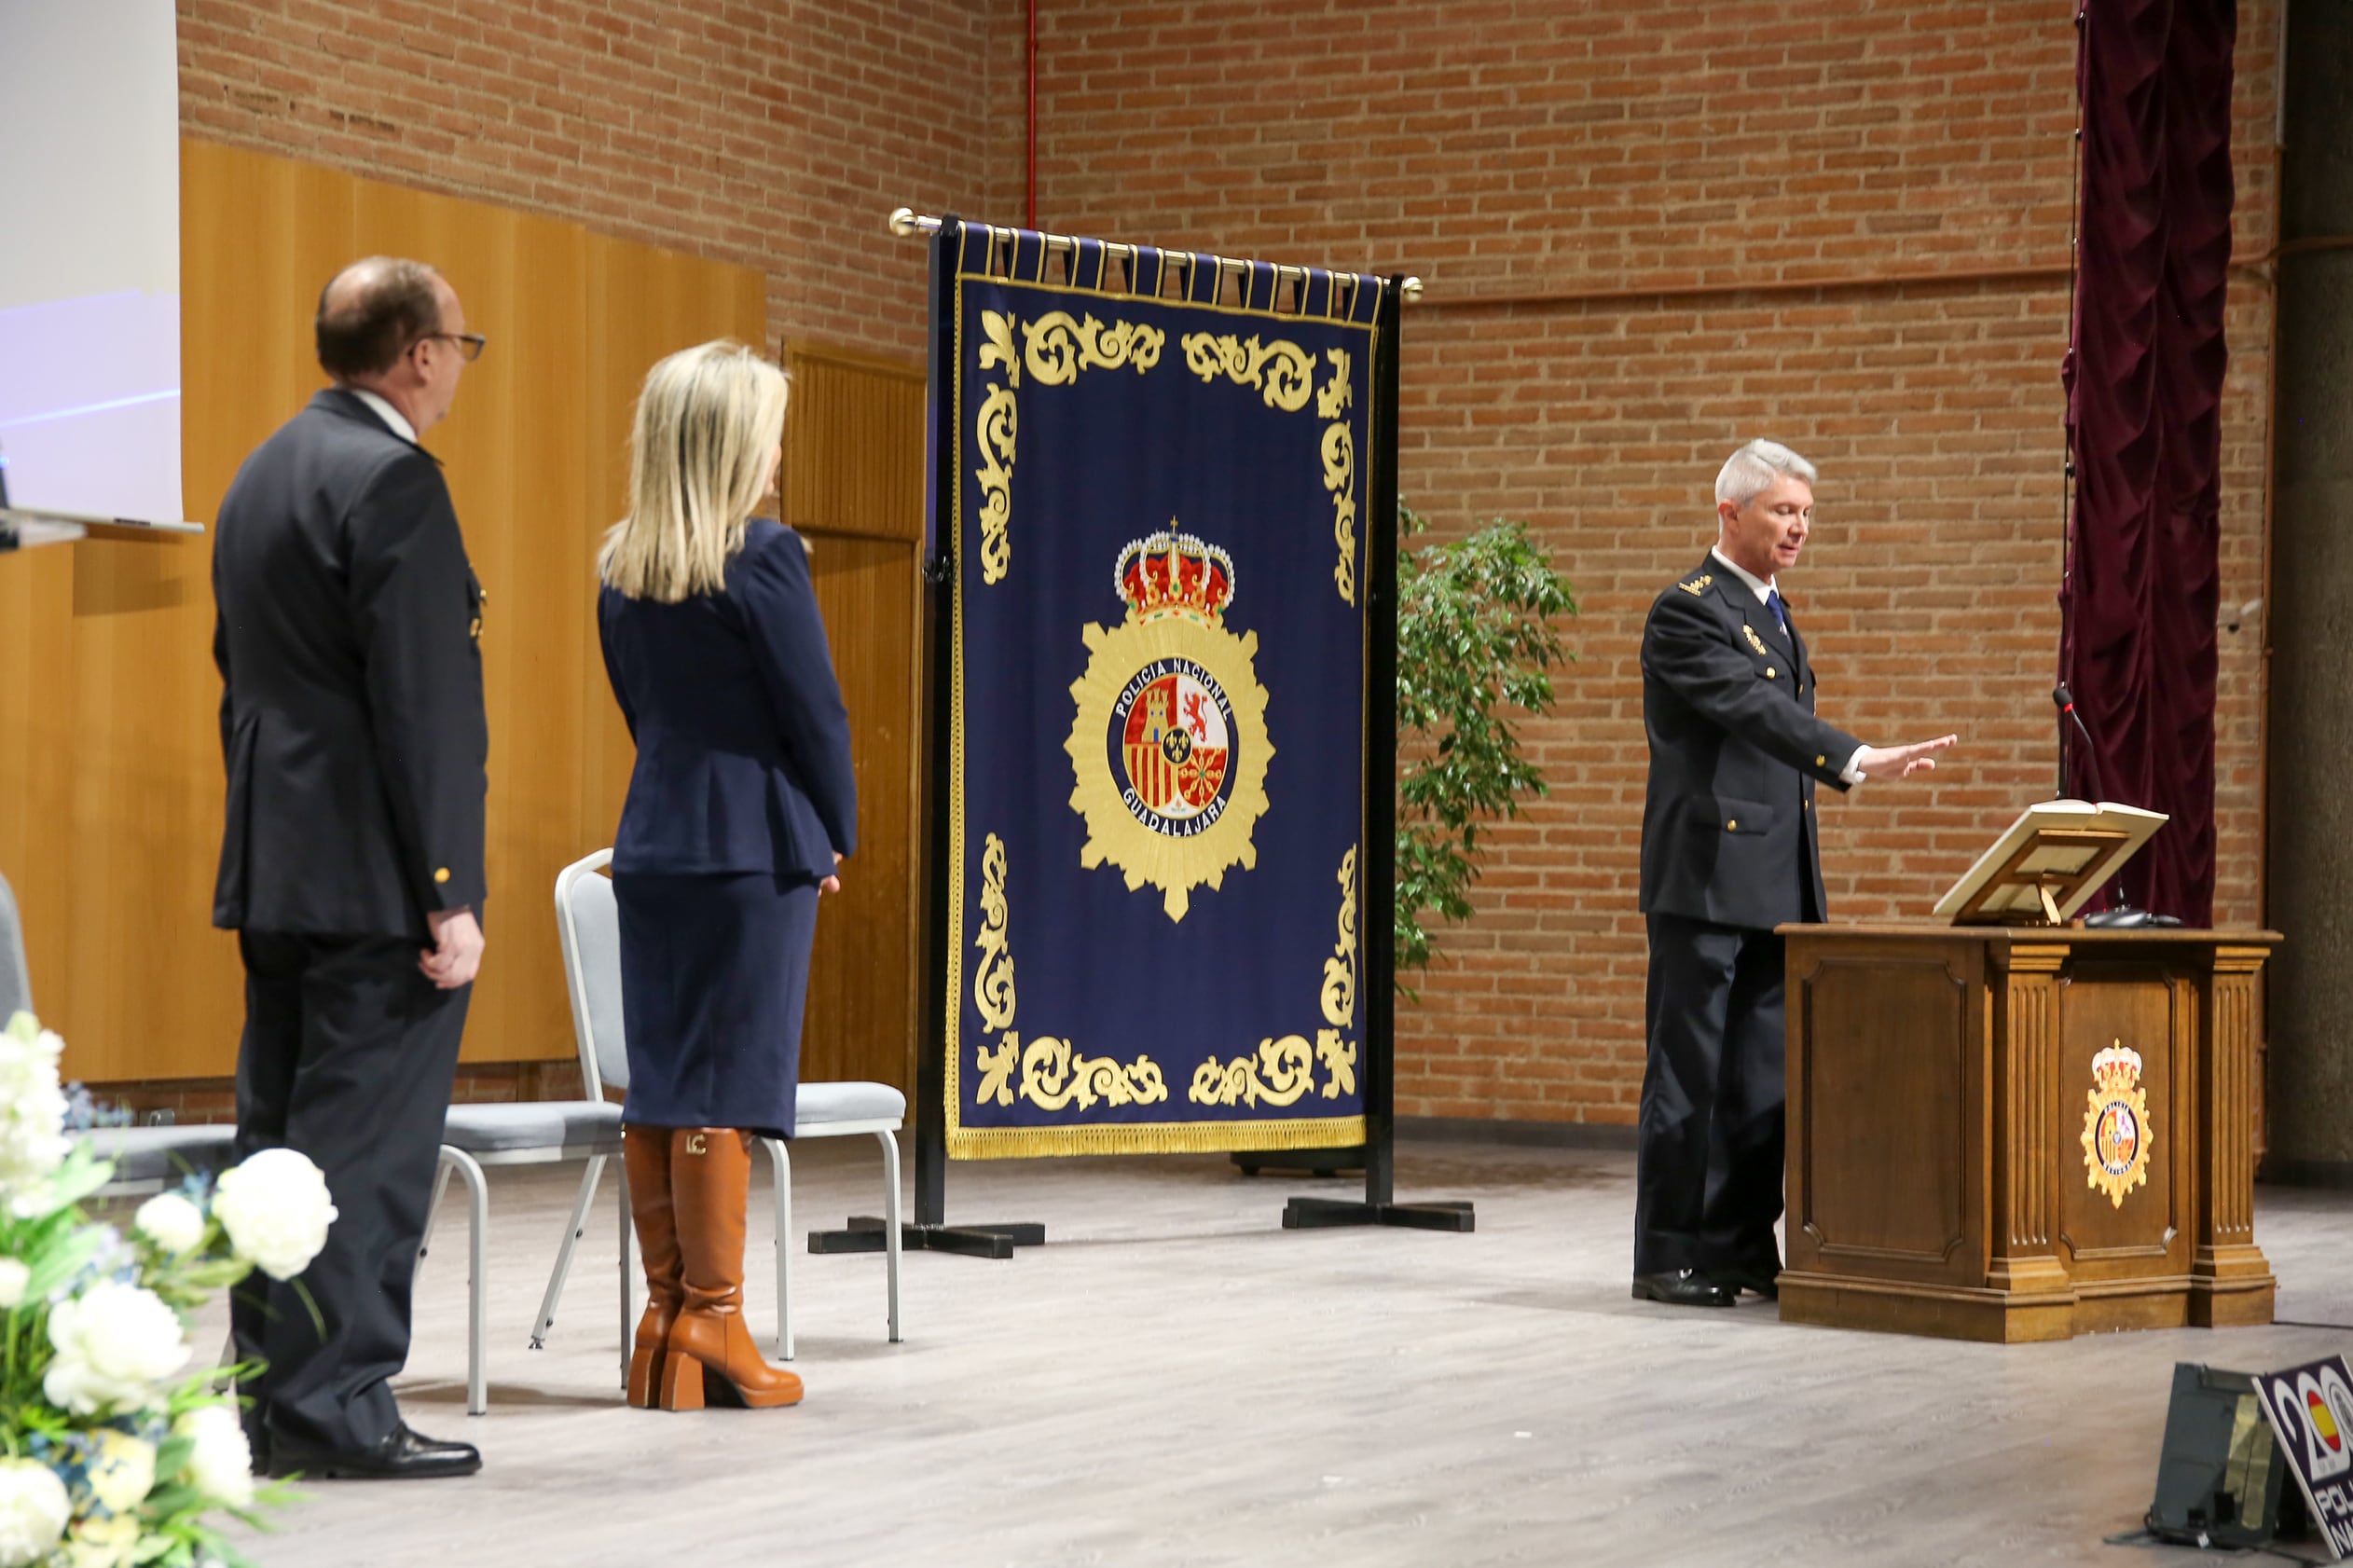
[(1177, 1380)]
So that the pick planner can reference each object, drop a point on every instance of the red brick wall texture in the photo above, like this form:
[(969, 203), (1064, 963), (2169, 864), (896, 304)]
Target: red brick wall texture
[(1842, 223)]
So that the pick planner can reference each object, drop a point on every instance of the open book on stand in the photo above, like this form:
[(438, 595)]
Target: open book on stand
[(2049, 863)]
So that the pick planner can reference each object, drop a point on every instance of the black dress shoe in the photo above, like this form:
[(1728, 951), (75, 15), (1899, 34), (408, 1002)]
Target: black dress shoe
[(402, 1456), (1684, 1287), (1756, 1282)]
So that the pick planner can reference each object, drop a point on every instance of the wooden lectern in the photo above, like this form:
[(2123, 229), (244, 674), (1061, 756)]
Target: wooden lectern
[(2019, 1129)]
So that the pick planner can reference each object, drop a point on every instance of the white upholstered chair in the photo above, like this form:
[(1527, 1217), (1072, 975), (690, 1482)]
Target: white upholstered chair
[(589, 924)]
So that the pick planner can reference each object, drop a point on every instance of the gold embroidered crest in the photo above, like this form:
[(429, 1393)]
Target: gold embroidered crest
[(1696, 584), (1753, 641), (1169, 745), (2117, 1134)]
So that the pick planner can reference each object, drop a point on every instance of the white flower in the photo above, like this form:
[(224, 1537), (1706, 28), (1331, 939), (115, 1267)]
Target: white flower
[(13, 1276), (34, 1509), (122, 1469), (171, 1222), (114, 1343), (33, 1140), (276, 1209), (221, 1461), (103, 1543)]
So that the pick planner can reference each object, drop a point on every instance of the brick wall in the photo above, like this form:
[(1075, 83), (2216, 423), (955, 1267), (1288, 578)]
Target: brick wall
[(1690, 162), (1682, 166), (775, 136)]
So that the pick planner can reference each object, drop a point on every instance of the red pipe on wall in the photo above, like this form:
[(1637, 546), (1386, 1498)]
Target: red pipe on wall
[(1033, 114)]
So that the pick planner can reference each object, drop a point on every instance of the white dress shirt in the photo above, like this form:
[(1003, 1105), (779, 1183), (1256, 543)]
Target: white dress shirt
[(1761, 586), (398, 424)]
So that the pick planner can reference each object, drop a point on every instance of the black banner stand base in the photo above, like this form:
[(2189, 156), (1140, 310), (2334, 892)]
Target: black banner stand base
[(1324, 1214), (865, 1233)]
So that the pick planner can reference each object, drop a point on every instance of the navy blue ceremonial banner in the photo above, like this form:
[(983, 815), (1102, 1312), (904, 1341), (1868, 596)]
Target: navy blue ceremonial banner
[(1156, 778)]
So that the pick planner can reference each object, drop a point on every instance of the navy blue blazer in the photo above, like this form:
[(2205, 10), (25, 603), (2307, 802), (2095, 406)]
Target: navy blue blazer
[(743, 744)]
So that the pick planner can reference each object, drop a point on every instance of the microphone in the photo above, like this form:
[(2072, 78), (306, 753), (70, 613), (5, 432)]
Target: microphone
[(2066, 701)]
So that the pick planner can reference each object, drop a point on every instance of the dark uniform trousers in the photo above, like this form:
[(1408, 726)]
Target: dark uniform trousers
[(1729, 853), (348, 1056), (1708, 1190), (355, 743)]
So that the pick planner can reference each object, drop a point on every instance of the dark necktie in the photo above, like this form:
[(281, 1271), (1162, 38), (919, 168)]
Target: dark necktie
[(1773, 603)]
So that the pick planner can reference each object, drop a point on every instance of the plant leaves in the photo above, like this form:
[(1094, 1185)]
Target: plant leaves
[(1475, 639)]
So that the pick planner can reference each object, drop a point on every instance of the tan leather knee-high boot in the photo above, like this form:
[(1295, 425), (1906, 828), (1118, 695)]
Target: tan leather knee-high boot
[(710, 1182), (645, 1154)]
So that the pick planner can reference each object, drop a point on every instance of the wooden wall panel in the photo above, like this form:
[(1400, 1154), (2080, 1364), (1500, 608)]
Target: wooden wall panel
[(863, 984), (853, 484), (110, 771), (853, 445)]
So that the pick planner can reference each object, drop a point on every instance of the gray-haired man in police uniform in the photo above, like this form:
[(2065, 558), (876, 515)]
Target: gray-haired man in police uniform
[(1729, 851)]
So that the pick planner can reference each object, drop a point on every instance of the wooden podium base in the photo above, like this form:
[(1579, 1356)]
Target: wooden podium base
[(2020, 1317), (2018, 1134)]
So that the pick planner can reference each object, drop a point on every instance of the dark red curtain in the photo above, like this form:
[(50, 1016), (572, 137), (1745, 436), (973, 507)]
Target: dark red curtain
[(2144, 380)]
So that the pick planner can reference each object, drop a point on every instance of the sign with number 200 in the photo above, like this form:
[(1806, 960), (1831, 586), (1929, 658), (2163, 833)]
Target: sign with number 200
[(2311, 1412)]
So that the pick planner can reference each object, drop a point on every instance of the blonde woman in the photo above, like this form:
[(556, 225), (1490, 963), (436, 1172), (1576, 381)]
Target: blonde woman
[(740, 807)]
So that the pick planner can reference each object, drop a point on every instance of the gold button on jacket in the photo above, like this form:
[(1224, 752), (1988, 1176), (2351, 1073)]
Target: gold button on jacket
[(442, 875)]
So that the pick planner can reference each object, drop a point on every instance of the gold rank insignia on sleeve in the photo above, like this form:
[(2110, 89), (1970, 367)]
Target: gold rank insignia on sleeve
[(1696, 584)]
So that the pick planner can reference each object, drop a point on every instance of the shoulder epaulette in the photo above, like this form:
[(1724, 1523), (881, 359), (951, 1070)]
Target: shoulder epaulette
[(1696, 584)]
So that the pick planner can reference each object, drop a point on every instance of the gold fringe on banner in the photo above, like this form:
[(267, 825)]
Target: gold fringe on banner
[(1196, 1138)]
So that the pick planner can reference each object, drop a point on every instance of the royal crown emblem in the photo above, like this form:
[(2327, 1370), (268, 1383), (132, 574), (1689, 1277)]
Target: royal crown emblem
[(1169, 746), (2117, 1131)]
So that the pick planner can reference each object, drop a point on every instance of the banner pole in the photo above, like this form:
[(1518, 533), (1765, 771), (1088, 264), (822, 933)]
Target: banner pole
[(1378, 1058), (939, 635), (1381, 762), (930, 1230)]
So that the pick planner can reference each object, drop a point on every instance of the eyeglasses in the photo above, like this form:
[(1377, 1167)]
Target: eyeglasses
[(470, 344)]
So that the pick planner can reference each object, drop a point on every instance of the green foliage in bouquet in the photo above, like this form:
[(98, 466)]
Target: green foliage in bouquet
[(1475, 642), (111, 1454)]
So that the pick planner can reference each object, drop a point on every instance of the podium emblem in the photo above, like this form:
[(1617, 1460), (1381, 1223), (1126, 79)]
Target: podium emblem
[(1169, 745), (2117, 1134)]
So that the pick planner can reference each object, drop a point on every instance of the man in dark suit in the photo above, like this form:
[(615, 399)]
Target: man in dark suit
[(1730, 852), (352, 724)]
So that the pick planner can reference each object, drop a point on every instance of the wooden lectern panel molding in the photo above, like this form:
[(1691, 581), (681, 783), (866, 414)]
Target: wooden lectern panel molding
[(1891, 1189), (2140, 1009)]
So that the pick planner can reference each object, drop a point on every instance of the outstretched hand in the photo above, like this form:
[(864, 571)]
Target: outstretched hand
[(1901, 761)]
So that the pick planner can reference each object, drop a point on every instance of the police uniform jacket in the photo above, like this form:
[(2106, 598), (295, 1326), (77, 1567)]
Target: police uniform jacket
[(347, 632), (1736, 751)]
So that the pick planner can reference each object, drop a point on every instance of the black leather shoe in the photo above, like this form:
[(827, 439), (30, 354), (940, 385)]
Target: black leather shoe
[(402, 1456), (1684, 1287), (1753, 1281)]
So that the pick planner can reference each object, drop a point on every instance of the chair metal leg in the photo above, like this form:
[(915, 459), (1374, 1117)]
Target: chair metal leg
[(890, 1223), (479, 1279), (433, 1210), (629, 1272), (781, 1162), (589, 1175)]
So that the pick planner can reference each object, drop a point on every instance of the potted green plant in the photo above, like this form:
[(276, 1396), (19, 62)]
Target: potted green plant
[(1476, 646)]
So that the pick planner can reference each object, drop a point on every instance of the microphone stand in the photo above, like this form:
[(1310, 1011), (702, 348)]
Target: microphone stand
[(2122, 915)]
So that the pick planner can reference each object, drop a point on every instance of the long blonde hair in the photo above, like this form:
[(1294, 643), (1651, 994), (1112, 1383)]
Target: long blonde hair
[(707, 421)]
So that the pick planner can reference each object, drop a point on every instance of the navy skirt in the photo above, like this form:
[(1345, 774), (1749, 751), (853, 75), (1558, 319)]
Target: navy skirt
[(714, 975)]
